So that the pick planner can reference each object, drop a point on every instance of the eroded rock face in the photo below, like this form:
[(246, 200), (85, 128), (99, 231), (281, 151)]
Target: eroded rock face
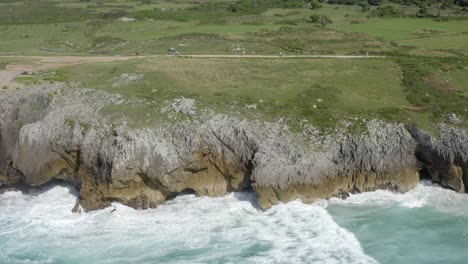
[(445, 158), (210, 155)]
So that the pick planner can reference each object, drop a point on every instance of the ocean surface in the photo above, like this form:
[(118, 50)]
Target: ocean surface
[(426, 225)]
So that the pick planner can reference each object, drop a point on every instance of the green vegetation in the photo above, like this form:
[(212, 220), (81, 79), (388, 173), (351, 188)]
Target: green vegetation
[(388, 11), (423, 77), (129, 27), (320, 19), (321, 91)]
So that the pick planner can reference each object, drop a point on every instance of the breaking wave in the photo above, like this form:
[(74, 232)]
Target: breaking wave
[(40, 228)]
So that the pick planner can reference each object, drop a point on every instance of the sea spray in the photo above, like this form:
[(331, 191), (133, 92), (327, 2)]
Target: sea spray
[(40, 228), (426, 225)]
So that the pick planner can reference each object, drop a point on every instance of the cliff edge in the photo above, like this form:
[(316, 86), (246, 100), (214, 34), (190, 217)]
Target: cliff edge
[(45, 138)]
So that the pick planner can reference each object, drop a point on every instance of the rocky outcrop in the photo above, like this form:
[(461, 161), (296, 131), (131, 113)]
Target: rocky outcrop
[(444, 159), (46, 138)]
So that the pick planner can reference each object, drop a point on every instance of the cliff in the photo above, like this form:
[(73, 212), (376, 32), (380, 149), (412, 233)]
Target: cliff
[(44, 137)]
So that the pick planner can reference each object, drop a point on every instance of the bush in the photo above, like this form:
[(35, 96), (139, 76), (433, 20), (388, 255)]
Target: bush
[(315, 5), (314, 18), (256, 6), (388, 11), (374, 2), (423, 11), (364, 6), (320, 19)]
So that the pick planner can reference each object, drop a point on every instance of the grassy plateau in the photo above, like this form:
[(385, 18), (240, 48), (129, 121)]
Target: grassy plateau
[(421, 76)]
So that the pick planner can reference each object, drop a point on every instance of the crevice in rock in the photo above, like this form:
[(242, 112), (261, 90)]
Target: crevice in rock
[(424, 174), (246, 184), (186, 191)]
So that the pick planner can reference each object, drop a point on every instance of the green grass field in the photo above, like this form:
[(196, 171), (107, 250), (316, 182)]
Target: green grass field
[(206, 27), (423, 77), (321, 91)]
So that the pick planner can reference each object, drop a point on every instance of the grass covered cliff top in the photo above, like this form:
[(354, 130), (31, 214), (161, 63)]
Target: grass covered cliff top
[(421, 78), (318, 91)]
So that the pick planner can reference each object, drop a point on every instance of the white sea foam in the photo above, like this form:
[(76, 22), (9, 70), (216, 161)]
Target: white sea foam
[(424, 194), (40, 228)]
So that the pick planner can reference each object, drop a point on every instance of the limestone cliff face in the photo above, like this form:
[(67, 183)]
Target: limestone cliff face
[(444, 159), (208, 154)]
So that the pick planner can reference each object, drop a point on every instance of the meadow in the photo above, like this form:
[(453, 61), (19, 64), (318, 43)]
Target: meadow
[(422, 77), (75, 27), (318, 91)]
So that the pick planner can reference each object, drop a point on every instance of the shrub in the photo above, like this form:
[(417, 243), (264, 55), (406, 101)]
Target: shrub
[(364, 6), (374, 2), (256, 6), (423, 11), (388, 11), (320, 19), (314, 18), (315, 5)]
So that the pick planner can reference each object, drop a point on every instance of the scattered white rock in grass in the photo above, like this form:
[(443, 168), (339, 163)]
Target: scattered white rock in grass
[(261, 101), (181, 105), (126, 78), (126, 19), (452, 118), (314, 106), (319, 100), (252, 106), (345, 123), (183, 45)]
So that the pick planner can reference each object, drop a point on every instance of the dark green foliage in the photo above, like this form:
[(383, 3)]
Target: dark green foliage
[(374, 2), (423, 11), (323, 20), (315, 5), (314, 18), (364, 6), (462, 3), (344, 2), (256, 6), (388, 11)]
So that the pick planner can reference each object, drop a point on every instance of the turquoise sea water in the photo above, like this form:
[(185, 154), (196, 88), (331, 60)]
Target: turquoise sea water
[(425, 225)]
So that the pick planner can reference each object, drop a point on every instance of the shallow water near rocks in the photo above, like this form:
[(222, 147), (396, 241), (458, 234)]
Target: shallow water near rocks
[(425, 225)]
